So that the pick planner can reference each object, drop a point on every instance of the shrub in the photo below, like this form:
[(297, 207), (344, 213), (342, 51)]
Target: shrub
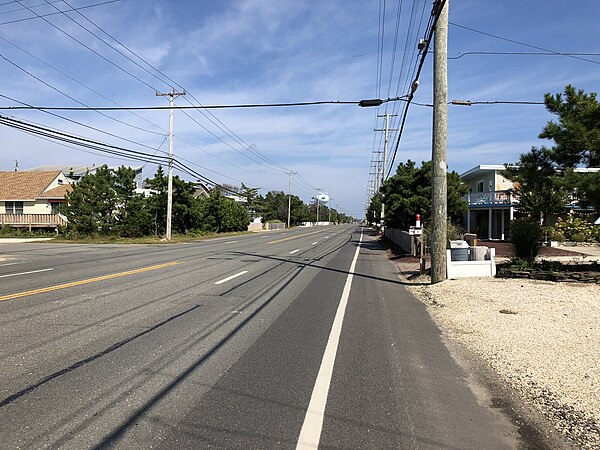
[(555, 235), (521, 264), (578, 237), (575, 225), (525, 236)]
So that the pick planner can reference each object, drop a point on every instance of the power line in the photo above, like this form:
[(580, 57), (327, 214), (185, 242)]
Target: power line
[(27, 106), (69, 96), (477, 53), (232, 106), (218, 123), (42, 16), (523, 43), (82, 84), (87, 46), (99, 146), (439, 5)]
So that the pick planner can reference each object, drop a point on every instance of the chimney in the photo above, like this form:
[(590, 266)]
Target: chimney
[(16, 165)]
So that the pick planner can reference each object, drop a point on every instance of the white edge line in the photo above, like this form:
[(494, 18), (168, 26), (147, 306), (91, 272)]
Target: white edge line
[(294, 251), (24, 273), (230, 242), (224, 280), (310, 435)]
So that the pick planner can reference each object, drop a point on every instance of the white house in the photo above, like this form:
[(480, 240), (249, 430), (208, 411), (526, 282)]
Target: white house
[(491, 205), (32, 199)]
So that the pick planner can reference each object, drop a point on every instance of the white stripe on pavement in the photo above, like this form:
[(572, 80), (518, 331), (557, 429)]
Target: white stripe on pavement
[(310, 435), (24, 273), (294, 251), (314, 243), (230, 242), (225, 280)]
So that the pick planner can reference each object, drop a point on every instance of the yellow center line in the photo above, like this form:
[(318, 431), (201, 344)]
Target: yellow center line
[(295, 237), (89, 280)]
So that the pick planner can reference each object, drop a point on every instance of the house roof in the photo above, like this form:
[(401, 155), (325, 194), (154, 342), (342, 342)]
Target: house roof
[(25, 185), (58, 192), (481, 169), (76, 170)]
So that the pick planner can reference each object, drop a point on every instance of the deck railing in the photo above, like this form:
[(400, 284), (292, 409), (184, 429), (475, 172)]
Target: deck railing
[(33, 220), (490, 198)]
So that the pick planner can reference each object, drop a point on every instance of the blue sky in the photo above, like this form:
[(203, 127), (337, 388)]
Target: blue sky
[(263, 51)]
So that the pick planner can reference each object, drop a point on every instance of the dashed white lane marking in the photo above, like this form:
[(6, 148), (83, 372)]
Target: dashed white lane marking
[(225, 280), (24, 273), (294, 251), (230, 242), (314, 243), (10, 264), (310, 435)]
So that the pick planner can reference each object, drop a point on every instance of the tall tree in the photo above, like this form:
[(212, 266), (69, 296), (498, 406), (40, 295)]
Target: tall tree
[(185, 216), (544, 176), (219, 213), (536, 184), (91, 205), (408, 193), (577, 132)]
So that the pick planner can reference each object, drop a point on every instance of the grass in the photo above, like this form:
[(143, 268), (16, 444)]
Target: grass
[(176, 238)]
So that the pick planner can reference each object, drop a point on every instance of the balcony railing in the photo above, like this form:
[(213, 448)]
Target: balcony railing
[(32, 220), (500, 198)]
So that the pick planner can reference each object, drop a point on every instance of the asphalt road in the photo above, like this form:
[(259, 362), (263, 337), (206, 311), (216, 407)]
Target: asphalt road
[(292, 339)]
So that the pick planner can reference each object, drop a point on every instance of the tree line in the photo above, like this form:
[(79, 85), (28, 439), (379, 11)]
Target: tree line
[(106, 203)]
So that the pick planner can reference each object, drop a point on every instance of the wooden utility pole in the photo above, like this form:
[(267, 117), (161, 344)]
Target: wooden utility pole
[(171, 96), (439, 166), (291, 173)]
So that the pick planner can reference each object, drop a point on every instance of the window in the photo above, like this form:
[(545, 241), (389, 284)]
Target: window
[(55, 207), (479, 187), (13, 207)]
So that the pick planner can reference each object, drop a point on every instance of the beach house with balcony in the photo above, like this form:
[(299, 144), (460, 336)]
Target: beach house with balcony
[(491, 205)]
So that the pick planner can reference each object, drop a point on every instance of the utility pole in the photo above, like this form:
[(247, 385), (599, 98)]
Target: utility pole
[(385, 147), (171, 96), (439, 166), (290, 173), (318, 201)]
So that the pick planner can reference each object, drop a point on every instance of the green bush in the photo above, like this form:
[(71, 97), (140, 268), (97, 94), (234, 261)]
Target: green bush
[(555, 235), (521, 264), (573, 226), (525, 236), (578, 237)]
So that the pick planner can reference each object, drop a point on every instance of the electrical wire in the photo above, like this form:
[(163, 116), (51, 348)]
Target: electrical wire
[(41, 16), (440, 6), (461, 54), (101, 147), (522, 43), (156, 108), (217, 122), (87, 46)]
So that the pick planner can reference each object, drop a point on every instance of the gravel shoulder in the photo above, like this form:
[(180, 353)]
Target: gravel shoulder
[(541, 339)]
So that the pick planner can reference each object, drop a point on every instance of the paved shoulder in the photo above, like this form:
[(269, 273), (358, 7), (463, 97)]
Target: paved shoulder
[(395, 384)]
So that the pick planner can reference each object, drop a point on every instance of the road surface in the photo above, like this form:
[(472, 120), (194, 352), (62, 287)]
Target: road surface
[(297, 339)]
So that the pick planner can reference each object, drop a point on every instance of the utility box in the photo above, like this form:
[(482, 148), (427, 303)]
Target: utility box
[(460, 254), (479, 254)]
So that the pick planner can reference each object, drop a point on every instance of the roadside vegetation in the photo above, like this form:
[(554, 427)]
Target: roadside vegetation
[(545, 179), (104, 207)]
